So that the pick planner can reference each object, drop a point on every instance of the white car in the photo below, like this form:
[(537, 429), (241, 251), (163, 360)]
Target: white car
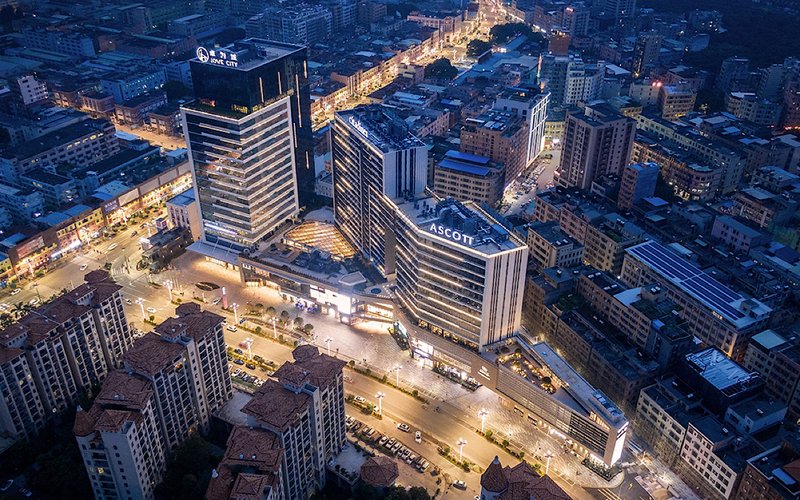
[(3, 307), (404, 427), (16, 291), (151, 310), (418, 436), (231, 328), (112, 246), (83, 267), (34, 301)]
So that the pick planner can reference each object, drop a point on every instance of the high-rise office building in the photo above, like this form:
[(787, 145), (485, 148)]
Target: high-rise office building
[(376, 161), (303, 407), (59, 350), (460, 274), (250, 140), (597, 141)]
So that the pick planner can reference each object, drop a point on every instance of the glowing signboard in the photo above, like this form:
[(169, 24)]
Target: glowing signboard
[(451, 234), (357, 125), (217, 57)]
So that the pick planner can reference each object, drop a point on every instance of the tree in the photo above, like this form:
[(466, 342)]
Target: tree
[(298, 322), (189, 462), (503, 33), (285, 316), (477, 47), (270, 312), (308, 328), (441, 69)]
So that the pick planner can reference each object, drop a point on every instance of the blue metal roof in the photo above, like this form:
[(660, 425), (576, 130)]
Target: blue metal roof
[(458, 155), (466, 168)]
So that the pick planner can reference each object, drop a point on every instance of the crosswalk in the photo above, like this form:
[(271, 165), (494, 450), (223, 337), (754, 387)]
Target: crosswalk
[(609, 493)]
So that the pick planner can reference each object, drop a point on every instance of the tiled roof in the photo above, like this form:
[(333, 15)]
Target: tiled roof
[(277, 406), (322, 369), (151, 354), (195, 325), (380, 471), (122, 389), (494, 479), (255, 447)]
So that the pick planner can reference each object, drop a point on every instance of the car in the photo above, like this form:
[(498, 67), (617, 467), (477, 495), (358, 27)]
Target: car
[(7, 485), (382, 441), (231, 328), (151, 310), (418, 436), (216, 301), (360, 399), (238, 361), (25, 492), (15, 291), (405, 453), (3, 307), (404, 427), (461, 485), (411, 459), (83, 267), (250, 365), (128, 301), (238, 351), (237, 372), (112, 246), (396, 446), (134, 233), (34, 301)]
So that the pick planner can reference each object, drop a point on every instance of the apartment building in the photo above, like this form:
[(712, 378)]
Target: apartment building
[(303, 406), (184, 359), (83, 143), (777, 358), (689, 180), (501, 136), (531, 104), (604, 236), (676, 101), (638, 181), (549, 246), (253, 461), (736, 234), (120, 440), (597, 141), (718, 315), (59, 350), (468, 177), (704, 150)]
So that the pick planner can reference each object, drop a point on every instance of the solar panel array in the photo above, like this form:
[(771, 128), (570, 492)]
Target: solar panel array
[(689, 277)]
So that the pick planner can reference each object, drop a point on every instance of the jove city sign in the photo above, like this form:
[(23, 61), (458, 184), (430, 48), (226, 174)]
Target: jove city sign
[(217, 57), (451, 234)]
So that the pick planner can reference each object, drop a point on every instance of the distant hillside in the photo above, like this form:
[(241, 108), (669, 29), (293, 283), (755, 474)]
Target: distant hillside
[(765, 35)]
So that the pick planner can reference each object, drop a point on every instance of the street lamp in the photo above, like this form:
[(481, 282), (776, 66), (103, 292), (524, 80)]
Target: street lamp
[(328, 341), (235, 313), (380, 397), (548, 456), (168, 284), (482, 413), (461, 442), (396, 370), (140, 301), (274, 328), (36, 286)]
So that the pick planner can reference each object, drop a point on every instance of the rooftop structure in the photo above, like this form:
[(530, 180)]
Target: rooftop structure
[(730, 305)]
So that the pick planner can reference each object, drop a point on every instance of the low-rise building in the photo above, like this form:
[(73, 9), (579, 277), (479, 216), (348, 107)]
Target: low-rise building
[(182, 211), (468, 177), (737, 235), (550, 247), (500, 136)]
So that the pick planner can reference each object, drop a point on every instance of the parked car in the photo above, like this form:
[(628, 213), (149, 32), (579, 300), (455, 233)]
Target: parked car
[(16, 291), (404, 427), (251, 366), (238, 361), (83, 267), (231, 328), (360, 399), (151, 310), (461, 485), (418, 436)]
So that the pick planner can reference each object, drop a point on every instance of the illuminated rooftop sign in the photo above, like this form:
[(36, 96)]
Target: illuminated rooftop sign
[(451, 234), (357, 125), (217, 57)]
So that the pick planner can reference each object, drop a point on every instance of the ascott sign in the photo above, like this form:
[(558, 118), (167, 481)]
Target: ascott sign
[(451, 234)]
